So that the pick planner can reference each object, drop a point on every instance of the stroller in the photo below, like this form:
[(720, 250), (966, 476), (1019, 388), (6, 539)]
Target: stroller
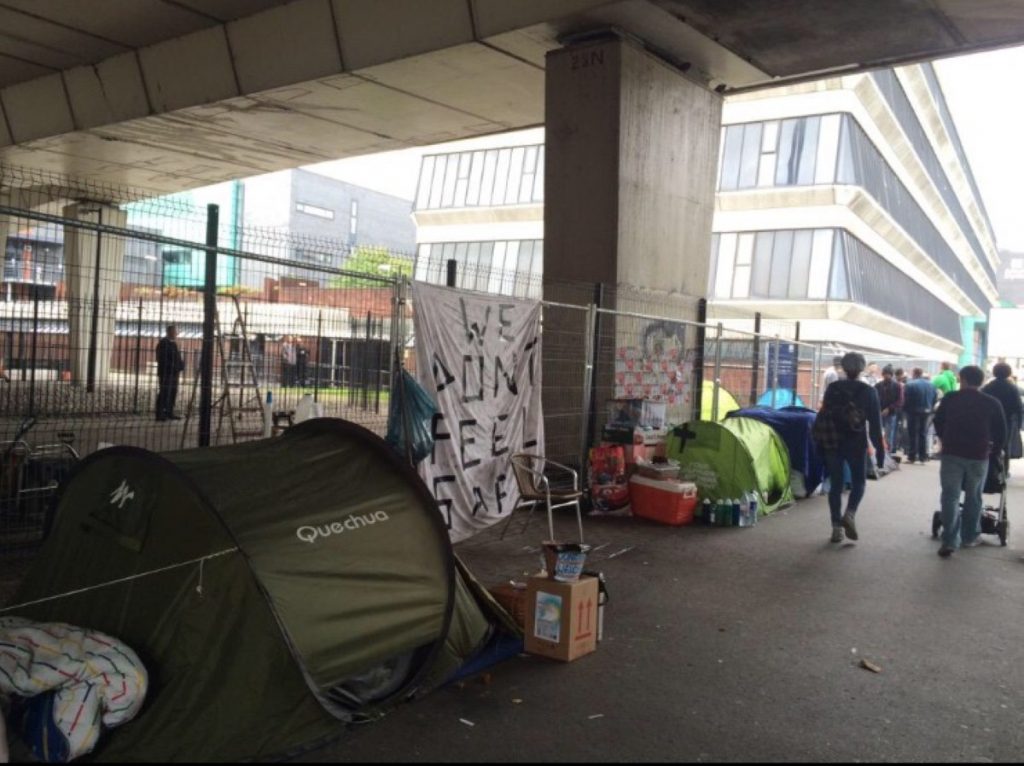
[(993, 518)]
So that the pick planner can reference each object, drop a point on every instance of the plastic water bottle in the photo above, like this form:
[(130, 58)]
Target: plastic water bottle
[(745, 510), (705, 511), (268, 416), (753, 508), (735, 509)]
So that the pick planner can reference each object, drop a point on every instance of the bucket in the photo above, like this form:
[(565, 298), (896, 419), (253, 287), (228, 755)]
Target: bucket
[(564, 561)]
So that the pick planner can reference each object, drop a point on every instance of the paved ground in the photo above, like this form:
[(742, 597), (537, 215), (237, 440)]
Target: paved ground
[(744, 645)]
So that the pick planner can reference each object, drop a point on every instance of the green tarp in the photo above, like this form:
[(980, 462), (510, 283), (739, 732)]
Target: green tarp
[(728, 459), (271, 588)]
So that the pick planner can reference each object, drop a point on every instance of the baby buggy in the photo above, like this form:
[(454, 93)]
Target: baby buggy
[(993, 518)]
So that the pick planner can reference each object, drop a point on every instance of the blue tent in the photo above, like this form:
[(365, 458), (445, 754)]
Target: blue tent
[(794, 425), (784, 397)]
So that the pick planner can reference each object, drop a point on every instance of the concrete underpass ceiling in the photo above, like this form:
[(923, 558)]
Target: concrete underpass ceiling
[(166, 95)]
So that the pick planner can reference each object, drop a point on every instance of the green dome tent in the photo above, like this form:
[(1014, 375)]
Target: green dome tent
[(726, 402), (272, 588), (725, 460)]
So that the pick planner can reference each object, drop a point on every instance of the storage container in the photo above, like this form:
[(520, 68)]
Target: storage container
[(668, 502)]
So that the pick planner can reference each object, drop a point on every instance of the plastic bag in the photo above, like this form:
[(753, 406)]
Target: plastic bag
[(410, 419)]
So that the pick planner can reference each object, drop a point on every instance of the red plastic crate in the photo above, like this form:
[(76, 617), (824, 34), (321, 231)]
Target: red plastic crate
[(667, 502)]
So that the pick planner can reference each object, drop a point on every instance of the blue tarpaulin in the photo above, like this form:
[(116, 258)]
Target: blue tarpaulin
[(780, 397), (794, 425)]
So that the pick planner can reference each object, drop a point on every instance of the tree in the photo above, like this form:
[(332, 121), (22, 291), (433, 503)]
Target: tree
[(372, 260)]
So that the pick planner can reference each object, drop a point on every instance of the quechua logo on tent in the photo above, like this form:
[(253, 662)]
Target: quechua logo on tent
[(122, 513), (310, 534)]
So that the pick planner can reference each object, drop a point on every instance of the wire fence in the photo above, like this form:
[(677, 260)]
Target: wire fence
[(268, 323)]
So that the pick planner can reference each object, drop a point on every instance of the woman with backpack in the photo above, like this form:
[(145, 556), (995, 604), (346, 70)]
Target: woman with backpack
[(849, 413)]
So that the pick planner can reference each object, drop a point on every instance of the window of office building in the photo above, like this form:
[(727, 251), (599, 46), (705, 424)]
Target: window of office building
[(822, 264), (315, 210), (482, 178), (509, 267), (792, 152), (829, 149)]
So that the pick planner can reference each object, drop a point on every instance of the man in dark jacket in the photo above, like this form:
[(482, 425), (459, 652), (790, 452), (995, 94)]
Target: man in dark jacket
[(890, 400), (169, 365), (853, 406), (1006, 391), (918, 401), (971, 426)]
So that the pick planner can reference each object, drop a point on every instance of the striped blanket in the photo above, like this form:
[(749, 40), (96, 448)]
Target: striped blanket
[(66, 684)]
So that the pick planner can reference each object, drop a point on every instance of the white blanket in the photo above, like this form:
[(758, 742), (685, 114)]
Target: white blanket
[(95, 679)]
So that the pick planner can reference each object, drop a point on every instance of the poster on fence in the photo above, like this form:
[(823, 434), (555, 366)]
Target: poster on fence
[(479, 357)]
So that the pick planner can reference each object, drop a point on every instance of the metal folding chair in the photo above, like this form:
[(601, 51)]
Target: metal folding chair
[(532, 477)]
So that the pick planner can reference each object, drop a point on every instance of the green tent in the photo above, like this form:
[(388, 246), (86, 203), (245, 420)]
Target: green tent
[(727, 459), (273, 589), (726, 402)]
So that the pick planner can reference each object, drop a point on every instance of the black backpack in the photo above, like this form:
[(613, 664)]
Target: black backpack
[(843, 410)]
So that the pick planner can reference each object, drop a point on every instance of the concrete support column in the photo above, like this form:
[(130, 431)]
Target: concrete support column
[(92, 302), (631, 153)]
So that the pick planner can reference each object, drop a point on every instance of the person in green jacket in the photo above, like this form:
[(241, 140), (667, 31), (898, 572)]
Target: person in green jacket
[(946, 380)]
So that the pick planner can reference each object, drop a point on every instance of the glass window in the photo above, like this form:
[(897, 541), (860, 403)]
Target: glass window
[(498, 266), (501, 176), (845, 170), (487, 184), (731, 157), (476, 172), (529, 168), (436, 184), (785, 169), (761, 270), (808, 151), (422, 269), (839, 288), (744, 258), (821, 261), (713, 266), (423, 188), (781, 252), (750, 158), (462, 182), (828, 144), (451, 174), (769, 148), (801, 265), (538, 181), (726, 256), (515, 175)]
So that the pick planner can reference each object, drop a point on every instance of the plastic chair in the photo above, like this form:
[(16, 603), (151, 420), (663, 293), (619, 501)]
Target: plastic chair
[(535, 487)]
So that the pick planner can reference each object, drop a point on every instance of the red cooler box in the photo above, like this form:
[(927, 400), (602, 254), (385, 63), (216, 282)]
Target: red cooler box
[(665, 501)]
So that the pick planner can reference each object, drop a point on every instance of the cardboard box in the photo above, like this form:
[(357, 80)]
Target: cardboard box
[(512, 600), (561, 618)]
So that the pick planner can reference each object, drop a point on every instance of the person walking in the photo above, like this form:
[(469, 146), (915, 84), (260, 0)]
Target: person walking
[(1005, 390), (970, 426), (890, 399), (849, 414), (169, 366), (918, 402), (945, 381)]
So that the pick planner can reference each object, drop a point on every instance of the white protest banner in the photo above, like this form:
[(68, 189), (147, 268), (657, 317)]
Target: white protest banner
[(479, 357)]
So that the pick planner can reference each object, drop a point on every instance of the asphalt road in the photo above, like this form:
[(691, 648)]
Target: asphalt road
[(745, 644)]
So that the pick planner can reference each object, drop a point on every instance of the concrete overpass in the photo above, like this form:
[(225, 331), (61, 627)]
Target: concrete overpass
[(165, 95), (172, 94)]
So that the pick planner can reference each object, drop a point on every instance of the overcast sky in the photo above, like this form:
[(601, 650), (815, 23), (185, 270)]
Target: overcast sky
[(983, 92), (983, 95)]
